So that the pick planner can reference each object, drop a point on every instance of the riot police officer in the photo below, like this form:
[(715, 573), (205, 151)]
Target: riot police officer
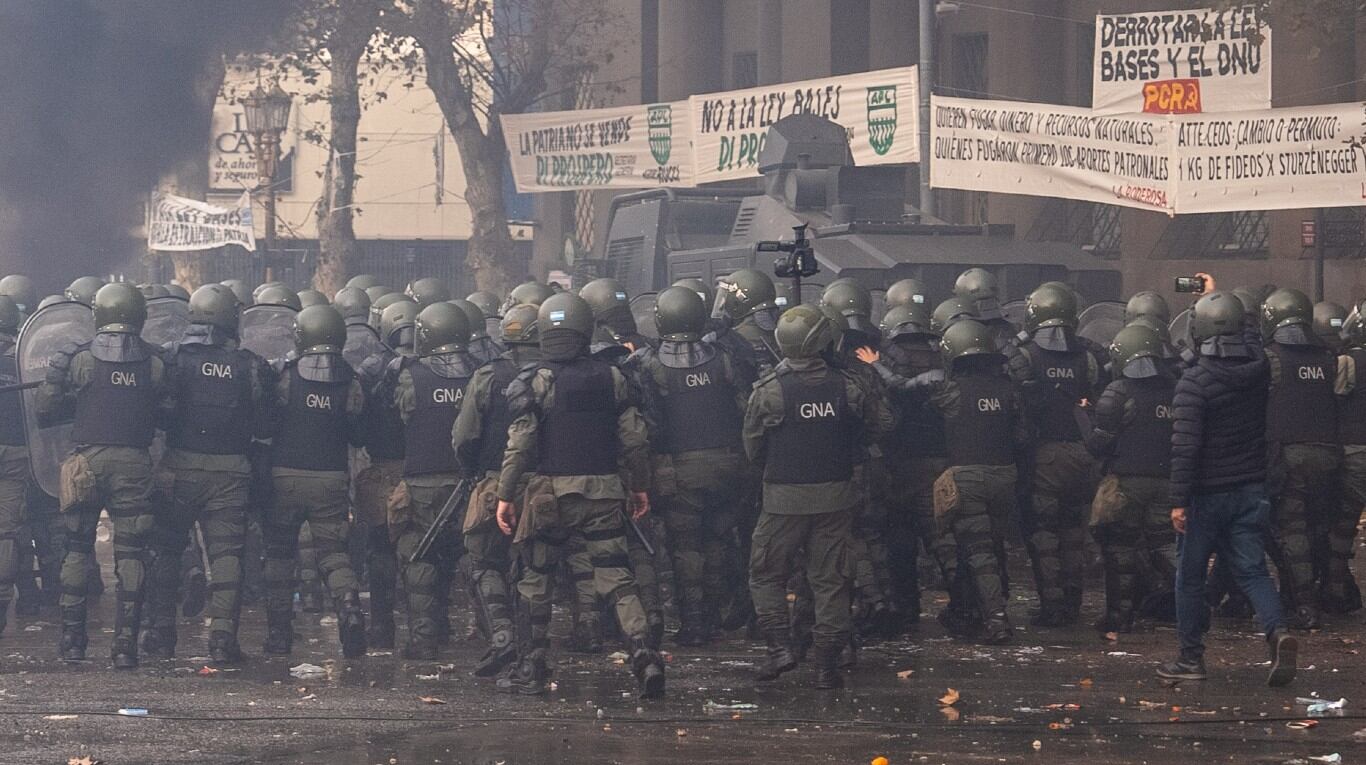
[(428, 290), (576, 417), (319, 401), (220, 392), (83, 289), (478, 438), (616, 325), (528, 293), (1338, 591), (13, 457), (1064, 373), (489, 305), (693, 400), (745, 299), (1329, 318), (481, 347), (353, 304), (1132, 434), (114, 388), (804, 424), (239, 290), (1302, 439), (20, 289), (312, 297)]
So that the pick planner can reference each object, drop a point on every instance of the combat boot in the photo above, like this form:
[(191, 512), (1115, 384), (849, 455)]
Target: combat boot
[(500, 654), (648, 668), (351, 625), (196, 595), (223, 648), (527, 677), (127, 619), (586, 636), (654, 630), (73, 639), (279, 633), (827, 673), (159, 642), (998, 630), (380, 634), (780, 660), (1304, 618)]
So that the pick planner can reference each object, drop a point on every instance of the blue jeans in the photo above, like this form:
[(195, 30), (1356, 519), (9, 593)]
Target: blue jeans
[(1233, 524)]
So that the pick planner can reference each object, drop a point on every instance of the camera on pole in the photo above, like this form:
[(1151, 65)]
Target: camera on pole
[(798, 259)]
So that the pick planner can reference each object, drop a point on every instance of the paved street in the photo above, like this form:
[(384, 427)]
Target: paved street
[(1081, 699)]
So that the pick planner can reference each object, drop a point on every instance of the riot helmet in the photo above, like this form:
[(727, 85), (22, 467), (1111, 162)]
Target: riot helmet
[(150, 291), (531, 293), (50, 300), (519, 325), (312, 297), (804, 331), (428, 290), (352, 303), (10, 317), (978, 286), (565, 311), (396, 323), (19, 288), (319, 329), (1133, 343), (83, 289), (120, 307), (217, 306), (441, 328), (239, 291), (1149, 305), (488, 303), (604, 295), (680, 315), (853, 301), (278, 294), (699, 286), (745, 292), (906, 292), (363, 281), (177, 291), (377, 291), (905, 320), (967, 338), (1251, 300), (949, 312), (1051, 305), (1217, 314), (782, 296), (475, 317), (1286, 307), (1329, 319)]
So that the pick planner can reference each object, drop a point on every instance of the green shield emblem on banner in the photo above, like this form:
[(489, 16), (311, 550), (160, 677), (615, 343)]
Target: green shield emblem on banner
[(660, 118), (881, 118)]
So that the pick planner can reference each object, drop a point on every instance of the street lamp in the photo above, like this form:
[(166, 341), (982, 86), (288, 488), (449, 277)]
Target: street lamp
[(267, 117)]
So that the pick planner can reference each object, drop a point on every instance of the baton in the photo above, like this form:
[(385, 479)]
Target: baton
[(459, 496)]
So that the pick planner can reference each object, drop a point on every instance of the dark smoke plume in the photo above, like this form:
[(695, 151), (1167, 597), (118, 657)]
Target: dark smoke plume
[(97, 101)]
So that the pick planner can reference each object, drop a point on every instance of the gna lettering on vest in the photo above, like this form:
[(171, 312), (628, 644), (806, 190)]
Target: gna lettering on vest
[(1312, 373), (816, 410), (697, 379), (318, 401), (124, 379), (213, 369), (1164, 412), (992, 404), (1061, 373), (447, 395)]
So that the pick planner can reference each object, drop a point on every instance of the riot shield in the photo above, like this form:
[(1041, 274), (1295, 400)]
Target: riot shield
[(268, 330), (643, 310), (49, 330), (167, 318), (1101, 322), (1014, 312), (1180, 329), (362, 342)]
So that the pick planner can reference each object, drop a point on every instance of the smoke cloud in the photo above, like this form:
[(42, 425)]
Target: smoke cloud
[(97, 101)]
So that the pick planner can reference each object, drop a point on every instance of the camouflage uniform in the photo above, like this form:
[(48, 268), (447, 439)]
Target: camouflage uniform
[(14, 480)]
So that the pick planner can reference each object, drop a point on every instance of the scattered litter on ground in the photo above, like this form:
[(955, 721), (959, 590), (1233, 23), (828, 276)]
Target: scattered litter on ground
[(1321, 707), (905, 674), (431, 700), (207, 671), (949, 698), (711, 707), (133, 711), (60, 717), (307, 671)]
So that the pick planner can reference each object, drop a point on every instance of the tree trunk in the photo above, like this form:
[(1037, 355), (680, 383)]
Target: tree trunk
[(190, 176), (338, 249)]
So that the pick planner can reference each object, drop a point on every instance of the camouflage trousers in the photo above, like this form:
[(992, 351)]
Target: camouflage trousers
[(911, 527), (701, 526), (217, 500), (321, 499), (1064, 486), (373, 486), (426, 582), (488, 550), (13, 488), (1131, 520), (1302, 482), (121, 484), (1338, 583), (785, 544), (976, 523), (600, 528)]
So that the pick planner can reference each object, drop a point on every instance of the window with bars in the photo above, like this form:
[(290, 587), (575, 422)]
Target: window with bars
[(744, 70)]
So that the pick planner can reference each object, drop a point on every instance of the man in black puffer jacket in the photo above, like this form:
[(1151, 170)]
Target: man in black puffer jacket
[(1218, 492)]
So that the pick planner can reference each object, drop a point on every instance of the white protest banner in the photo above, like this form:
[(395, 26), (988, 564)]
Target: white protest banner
[(1277, 159), (880, 110), (625, 147), (1054, 151), (177, 224), (1182, 62)]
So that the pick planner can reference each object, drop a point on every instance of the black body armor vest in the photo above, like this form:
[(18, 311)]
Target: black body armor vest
[(436, 403), (1302, 407), (817, 439), (700, 410), (980, 433), (214, 406), (1144, 448), (1063, 379), (11, 410), (118, 407), (494, 440), (579, 430), (313, 434), (920, 429)]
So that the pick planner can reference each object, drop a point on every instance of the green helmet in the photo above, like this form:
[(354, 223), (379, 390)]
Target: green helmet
[(1329, 319), (10, 317), (978, 286), (441, 328), (395, 317), (949, 312), (278, 294), (1051, 305), (49, 300), (1149, 305), (382, 303), (565, 310), (474, 316), (967, 337), (602, 295), (19, 288), (906, 319), (363, 281), (265, 286), (1135, 341), (377, 291), (519, 325), (312, 297), (239, 290), (906, 292), (1217, 314), (177, 291), (1284, 308), (319, 329), (83, 289), (804, 331), (853, 301), (428, 290), (352, 302), (680, 315), (120, 307), (487, 302), (1354, 328), (150, 291), (531, 293), (699, 286), (745, 292), (1251, 300), (215, 305), (782, 296)]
